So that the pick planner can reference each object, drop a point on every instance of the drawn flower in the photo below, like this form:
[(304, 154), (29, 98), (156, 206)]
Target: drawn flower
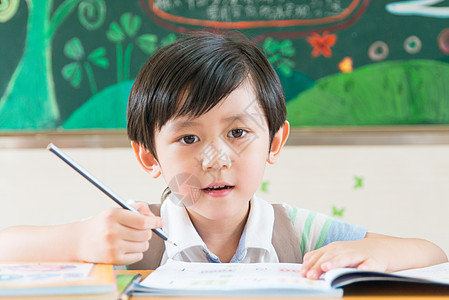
[(346, 65), (322, 44), (147, 43), (128, 28), (73, 71), (279, 54)]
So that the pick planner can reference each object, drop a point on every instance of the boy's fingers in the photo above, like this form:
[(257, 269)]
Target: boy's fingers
[(135, 235), (129, 258), (341, 261), (136, 247), (315, 271), (310, 260), (372, 265), (143, 208), (138, 221), (128, 252)]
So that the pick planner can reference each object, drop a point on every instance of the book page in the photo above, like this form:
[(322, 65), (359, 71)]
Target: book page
[(235, 276), (334, 273), (18, 274), (437, 273)]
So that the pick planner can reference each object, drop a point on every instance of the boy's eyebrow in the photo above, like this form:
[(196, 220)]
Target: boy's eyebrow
[(184, 125), (180, 125), (241, 116)]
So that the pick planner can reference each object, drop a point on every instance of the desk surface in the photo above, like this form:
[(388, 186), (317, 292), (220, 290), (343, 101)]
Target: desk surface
[(430, 296)]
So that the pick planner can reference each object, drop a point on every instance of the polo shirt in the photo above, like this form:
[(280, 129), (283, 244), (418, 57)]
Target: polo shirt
[(313, 229)]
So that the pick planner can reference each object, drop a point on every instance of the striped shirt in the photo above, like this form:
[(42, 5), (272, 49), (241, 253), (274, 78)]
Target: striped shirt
[(316, 230), (313, 229)]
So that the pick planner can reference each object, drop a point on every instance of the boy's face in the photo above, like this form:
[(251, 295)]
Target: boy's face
[(215, 163)]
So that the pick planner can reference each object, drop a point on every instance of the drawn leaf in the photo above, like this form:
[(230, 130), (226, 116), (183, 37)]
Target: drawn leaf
[(130, 24), (99, 52), (287, 48), (285, 69), (147, 43), (286, 44), (358, 182), (97, 57), (337, 212), (74, 49), (168, 39), (271, 45), (101, 62), (72, 73), (115, 33), (274, 58), (264, 186), (289, 63), (268, 45)]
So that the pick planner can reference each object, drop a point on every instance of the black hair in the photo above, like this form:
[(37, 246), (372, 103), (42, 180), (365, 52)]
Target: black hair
[(192, 75)]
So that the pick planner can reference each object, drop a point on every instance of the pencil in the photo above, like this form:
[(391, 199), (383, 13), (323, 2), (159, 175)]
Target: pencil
[(102, 187), (127, 291)]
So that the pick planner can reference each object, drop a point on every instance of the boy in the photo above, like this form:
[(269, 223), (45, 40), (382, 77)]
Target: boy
[(207, 112)]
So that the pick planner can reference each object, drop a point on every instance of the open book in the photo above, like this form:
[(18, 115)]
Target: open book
[(269, 280), (54, 278)]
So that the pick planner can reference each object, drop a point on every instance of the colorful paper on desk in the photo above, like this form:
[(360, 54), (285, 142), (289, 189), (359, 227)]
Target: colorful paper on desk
[(51, 278)]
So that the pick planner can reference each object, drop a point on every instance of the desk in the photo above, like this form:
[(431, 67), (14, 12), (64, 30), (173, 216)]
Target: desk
[(429, 296)]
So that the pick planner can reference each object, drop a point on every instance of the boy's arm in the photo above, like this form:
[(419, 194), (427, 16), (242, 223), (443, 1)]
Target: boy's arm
[(115, 236), (375, 252), (40, 243)]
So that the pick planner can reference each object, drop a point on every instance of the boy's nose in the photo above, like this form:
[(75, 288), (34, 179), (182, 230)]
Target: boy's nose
[(215, 157)]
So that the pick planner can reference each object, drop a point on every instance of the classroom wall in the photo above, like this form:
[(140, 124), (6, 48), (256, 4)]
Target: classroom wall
[(397, 190)]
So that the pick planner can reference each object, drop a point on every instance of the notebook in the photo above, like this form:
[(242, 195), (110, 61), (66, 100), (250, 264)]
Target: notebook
[(177, 278), (57, 278)]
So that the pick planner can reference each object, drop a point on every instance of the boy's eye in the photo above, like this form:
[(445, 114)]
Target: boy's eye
[(236, 133), (189, 139)]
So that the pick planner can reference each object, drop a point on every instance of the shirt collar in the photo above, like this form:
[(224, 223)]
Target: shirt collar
[(178, 227), (259, 227), (258, 230)]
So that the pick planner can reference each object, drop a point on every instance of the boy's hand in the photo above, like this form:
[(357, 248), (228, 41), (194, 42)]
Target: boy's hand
[(364, 254), (117, 236), (375, 252)]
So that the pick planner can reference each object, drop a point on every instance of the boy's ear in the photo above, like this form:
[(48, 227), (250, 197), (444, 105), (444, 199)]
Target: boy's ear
[(278, 142), (146, 160)]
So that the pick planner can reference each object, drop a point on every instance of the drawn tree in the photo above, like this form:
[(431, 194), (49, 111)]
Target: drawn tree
[(20, 106)]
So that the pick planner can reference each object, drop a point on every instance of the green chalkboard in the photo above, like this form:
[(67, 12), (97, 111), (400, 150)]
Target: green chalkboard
[(70, 64)]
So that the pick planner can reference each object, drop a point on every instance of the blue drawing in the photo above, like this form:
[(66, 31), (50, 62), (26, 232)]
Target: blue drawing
[(419, 8), (42, 276), (9, 277)]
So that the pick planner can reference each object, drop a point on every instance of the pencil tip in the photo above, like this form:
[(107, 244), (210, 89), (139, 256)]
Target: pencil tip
[(49, 146), (171, 242)]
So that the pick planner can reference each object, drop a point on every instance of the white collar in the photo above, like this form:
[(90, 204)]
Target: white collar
[(259, 226), (178, 227)]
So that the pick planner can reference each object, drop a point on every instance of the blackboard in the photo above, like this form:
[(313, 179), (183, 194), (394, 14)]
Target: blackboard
[(69, 65)]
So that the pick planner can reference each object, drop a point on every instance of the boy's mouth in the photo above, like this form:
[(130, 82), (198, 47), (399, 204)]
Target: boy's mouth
[(218, 187)]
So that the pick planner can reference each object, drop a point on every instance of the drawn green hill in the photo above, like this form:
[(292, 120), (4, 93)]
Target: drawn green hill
[(389, 93), (102, 109)]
